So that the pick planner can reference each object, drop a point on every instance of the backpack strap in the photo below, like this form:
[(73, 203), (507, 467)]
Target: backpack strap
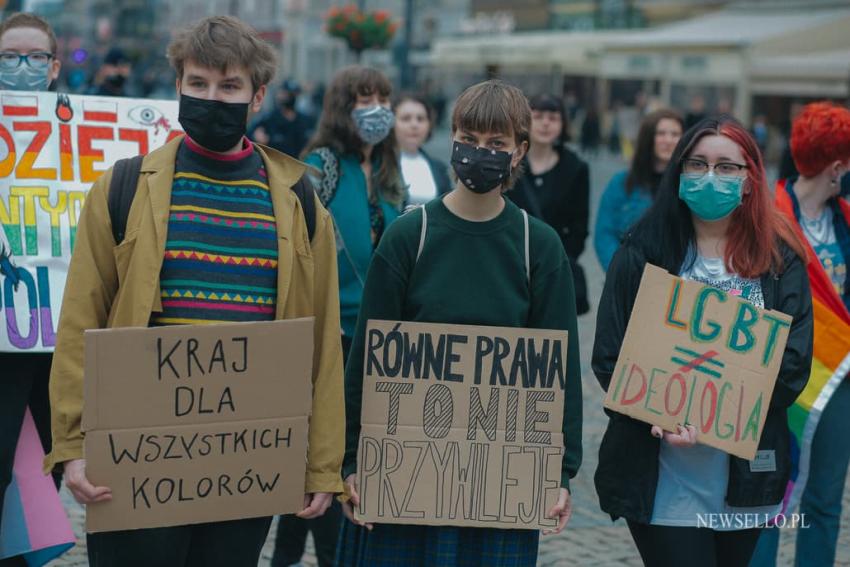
[(304, 191), (527, 246), (122, 191), (526, 243), (125, 179), (422, 232)]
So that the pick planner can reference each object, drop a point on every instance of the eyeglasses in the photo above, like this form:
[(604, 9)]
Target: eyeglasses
[(700, 167), (36, 59)]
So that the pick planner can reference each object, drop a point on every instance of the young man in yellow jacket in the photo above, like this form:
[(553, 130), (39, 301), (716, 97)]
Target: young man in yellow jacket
[(222, 68)]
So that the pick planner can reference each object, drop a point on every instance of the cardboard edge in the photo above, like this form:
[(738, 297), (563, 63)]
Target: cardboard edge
[(90, 380), (446, 326)]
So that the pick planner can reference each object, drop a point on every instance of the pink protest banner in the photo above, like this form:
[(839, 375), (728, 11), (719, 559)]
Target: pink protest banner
[(34, 523)]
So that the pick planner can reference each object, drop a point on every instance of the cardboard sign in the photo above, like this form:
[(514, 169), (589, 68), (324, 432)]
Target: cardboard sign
[(694, 354), (190, 424), (461, 425), (52, 148)]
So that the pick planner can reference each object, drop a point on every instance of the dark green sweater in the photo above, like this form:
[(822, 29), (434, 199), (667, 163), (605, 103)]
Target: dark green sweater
[(469, 273)]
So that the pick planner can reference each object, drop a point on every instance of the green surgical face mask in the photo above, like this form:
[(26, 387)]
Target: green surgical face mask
[(711, 197)]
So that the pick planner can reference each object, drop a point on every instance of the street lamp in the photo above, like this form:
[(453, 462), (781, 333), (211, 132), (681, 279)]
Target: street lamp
[(406, 71)]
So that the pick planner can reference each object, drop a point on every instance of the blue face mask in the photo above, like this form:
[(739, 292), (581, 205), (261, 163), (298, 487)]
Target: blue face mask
[(24, 78), (711, 197), (373, 123)]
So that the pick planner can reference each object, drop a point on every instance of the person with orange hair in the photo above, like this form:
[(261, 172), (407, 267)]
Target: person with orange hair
[(820, 146), (712, 221)]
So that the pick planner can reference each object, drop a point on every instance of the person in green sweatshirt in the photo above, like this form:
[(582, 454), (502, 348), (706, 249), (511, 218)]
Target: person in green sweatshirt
[(482, 261)]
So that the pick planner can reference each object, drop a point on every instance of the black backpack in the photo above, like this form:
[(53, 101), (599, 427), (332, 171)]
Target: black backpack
[(125, 178)]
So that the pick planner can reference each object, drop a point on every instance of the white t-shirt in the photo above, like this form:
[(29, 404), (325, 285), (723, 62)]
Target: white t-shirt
[(820, 233), (416, 173)]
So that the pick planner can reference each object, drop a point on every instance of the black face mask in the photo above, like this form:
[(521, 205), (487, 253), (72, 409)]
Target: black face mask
[(215, 125), (115, 81), (287, 102), (479, 169)]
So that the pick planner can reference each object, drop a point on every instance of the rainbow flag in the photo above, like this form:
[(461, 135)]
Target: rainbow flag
[(830, 360), (34, 523), (830, 365)]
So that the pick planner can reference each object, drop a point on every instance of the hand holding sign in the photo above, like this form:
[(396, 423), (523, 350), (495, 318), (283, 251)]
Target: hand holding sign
[(315, 505), (353, 502), (84, 491), (562, 511), (686, 437), (698, 357)]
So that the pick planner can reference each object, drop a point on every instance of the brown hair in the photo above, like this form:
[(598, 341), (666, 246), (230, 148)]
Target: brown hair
[(418, 99), (553, 103), (223, 42), (28, 20), (494, 106), (642, 172), (337, 131)]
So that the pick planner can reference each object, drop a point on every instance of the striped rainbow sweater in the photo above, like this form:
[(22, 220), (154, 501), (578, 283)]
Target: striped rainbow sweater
[(221, 252)]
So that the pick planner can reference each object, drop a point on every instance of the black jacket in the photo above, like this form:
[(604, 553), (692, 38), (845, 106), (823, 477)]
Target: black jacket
[(627, 474), (561, 199)]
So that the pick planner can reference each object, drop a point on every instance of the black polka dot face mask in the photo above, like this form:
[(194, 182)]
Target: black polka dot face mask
[(480, 169)]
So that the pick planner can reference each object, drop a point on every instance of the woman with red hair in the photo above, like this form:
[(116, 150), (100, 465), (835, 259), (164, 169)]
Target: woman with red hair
[(820, 146), (712, 221)]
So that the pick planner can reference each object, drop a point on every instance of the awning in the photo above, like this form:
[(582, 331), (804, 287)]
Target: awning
[(820, 74), (573, 52), (733, 27)]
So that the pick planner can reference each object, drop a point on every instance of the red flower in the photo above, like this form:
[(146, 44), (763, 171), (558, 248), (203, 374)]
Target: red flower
[(361, 30)]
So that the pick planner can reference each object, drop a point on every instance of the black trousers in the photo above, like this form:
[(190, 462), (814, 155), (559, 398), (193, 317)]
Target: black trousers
[(292, 537), (666, 546), (236, 543), (292, 531)]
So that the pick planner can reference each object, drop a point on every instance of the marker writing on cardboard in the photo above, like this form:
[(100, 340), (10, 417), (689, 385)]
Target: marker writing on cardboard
[(167, 490), (391, 481), (179, 359), (525, 362), (150, 448), (689, 398), (438, 412), (739, 336)]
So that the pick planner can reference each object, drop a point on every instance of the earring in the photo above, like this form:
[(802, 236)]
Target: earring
[(832, 182)]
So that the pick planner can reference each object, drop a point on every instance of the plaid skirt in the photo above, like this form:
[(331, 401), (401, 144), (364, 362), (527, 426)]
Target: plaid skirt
[(389, 545)]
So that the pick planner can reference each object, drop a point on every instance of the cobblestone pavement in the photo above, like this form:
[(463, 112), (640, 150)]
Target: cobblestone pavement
[(591, 538)]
